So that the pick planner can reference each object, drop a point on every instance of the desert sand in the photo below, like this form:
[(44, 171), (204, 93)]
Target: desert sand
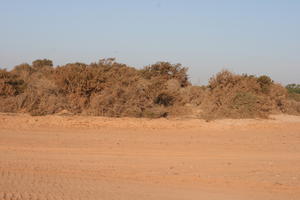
[(78, 157)]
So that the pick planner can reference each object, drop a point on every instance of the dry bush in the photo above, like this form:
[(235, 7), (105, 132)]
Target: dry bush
[(166, 71), (108, 88), (10, 85), (37, 103), (243, 96), (294, 96), (23, 71), (8, 104), (193, 95), (42, 63)]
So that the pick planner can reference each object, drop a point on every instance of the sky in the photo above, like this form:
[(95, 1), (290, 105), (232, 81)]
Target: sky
[(245, 36)]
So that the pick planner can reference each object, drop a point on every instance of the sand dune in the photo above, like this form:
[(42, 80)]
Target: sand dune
[(78, 157)]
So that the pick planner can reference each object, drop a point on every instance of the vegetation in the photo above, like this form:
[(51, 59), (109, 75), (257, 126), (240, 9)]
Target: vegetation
[(293, 88), (294, 91), (109, 88)]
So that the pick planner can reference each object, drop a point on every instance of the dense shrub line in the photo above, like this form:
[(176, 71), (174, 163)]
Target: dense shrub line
[(108, 88)]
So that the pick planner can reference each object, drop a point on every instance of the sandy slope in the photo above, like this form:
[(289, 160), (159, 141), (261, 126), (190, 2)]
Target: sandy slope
[(67, 157)]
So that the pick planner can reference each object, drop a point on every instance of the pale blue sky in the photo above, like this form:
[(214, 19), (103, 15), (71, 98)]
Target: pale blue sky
[(251, 36)]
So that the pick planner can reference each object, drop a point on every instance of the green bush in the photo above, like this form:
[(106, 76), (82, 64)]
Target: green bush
[(293, 88)]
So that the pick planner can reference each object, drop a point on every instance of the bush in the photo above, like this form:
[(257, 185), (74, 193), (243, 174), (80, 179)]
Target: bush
[(10, 85), (265, 83), (166, 71), (243, 96), (294, 96), (37, 64), (293, 88), (108, 88)]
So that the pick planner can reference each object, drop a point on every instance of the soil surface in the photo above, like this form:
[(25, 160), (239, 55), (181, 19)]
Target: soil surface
[(78, 157)]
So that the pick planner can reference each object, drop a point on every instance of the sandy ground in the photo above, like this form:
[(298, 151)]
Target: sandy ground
[(68, 157)]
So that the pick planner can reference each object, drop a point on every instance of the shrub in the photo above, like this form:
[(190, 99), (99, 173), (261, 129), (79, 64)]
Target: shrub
[(166, 71), (164, 99), (40, 63), (245, 104), (10, 85), (242, 96), (293, 88), (294, 96), (265, 82), (108, 88)]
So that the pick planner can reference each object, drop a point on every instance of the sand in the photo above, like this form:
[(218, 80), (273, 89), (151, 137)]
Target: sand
[(78, 157)]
